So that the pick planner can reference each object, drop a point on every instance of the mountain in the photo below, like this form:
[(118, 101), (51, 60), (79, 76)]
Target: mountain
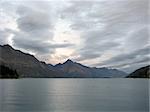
[(73, 69), (25, 64), (143, 72)]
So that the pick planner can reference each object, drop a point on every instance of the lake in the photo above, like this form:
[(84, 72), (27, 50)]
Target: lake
[(74, 95)]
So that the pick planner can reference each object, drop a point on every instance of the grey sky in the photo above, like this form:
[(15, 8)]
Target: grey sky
[(112, 33)]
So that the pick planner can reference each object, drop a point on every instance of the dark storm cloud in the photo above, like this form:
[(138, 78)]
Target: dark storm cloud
[(38, 46), (117, 27), (129, 67), (35, 23), (93, 13), (35, 28), (95, 50), (142, 60), (138, 38), (87, 55), (130, 56), (120, 25), (136, 57), (104, 20), (34, 20)]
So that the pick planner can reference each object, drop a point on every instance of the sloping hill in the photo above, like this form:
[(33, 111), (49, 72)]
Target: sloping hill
[(74, 69), (143, 72), (25, 64)]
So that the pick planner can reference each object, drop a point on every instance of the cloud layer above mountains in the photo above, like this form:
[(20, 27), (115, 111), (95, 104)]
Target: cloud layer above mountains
[(112, 33)]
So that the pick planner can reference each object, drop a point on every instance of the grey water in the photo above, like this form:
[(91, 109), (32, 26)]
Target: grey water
[(74, 95)]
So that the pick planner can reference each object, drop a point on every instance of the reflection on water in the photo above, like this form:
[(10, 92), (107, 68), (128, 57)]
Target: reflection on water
[(74, 95)]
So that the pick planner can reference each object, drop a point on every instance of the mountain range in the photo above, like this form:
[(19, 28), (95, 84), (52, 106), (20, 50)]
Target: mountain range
[(28, 66), (74, 69), (25, 64)]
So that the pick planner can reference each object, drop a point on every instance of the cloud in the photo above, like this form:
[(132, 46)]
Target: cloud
[(35, 27), (112, 33), (95, 50), (3, 37), (118, 27), (130, 56), (137, 38), (38, 46), (34, 20), (135, 57), (86, 55)]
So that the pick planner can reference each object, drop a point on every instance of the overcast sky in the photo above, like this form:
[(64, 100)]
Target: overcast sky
[(111, 33)]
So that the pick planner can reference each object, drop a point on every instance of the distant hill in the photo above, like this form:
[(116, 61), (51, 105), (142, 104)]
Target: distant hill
[(143, 72), (27, 65), (74, 69)]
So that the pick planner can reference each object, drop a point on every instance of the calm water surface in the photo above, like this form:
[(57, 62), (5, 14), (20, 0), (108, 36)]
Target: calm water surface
[(74, 95)]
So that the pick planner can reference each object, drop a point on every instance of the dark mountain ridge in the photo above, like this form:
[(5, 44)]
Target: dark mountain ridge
[(75, 69), (143, 72), (27, 65)]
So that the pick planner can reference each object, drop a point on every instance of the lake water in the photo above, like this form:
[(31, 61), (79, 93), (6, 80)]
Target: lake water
[(74, 95)]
